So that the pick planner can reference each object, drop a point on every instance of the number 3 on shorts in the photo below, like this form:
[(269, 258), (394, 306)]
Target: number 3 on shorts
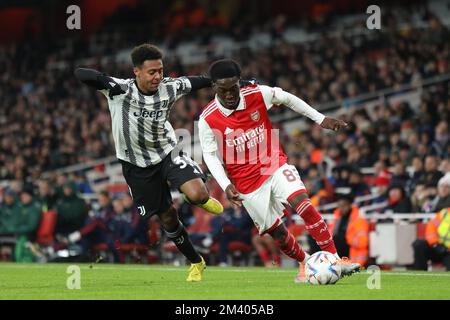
[(183, 161), (290, 175)]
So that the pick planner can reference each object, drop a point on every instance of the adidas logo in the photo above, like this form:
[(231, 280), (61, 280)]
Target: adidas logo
[(228, 130)]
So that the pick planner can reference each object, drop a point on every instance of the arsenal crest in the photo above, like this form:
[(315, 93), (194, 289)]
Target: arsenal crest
[(255, 115)]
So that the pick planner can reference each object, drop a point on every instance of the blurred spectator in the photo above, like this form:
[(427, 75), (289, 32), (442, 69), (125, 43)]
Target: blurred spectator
[(431, 174), (9, 211), (98, 228), (399, 175), (82, 184), (72, 210), (419, 197), (417, 173), (436, 245), (324, 195), (443, 198), (357, 184), (232, 225), (47, 195), (343, 176), (122, 224), (441, 139), (398, 201), (27, 223), (382, 181)]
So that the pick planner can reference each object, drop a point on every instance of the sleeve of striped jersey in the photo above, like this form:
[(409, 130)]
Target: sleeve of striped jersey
[(182, 86), (122, 82), (280, 97), (207, 138)]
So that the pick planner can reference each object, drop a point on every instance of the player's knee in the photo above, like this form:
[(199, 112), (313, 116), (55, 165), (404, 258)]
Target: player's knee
[(198, 196), (295, 201)]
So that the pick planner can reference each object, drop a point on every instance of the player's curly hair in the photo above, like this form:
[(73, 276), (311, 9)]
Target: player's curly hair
[(144, 52), (226, 68)]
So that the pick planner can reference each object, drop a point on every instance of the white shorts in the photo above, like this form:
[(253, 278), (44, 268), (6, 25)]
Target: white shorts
[(266, 204)]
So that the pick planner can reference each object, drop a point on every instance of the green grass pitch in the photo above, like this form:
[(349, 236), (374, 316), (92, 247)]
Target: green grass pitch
[(157, 282)]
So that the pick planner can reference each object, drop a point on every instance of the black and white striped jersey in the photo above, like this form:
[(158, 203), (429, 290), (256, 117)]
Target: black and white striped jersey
[(142, 133)]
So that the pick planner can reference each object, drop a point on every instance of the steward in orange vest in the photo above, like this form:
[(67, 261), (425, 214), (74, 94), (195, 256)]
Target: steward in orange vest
[(350, 231)]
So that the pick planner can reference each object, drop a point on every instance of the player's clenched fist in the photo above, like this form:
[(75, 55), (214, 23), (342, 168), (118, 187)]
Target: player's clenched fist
[(333, 124), (233, 195)]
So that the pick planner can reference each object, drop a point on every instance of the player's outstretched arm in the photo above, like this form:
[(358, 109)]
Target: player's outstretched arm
[(199, 82), (98, 80), (333, 124), (280, 97)]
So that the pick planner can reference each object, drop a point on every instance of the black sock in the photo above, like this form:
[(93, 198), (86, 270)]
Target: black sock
[(181, 240)]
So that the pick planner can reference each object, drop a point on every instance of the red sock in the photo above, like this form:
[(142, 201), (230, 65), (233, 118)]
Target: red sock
[(291, 248), (315, 226), (264, 256)]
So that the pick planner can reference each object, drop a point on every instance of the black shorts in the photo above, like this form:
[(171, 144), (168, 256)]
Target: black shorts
[(149, 186)]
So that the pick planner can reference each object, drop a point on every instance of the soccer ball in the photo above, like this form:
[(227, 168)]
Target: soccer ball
[(322, 268)]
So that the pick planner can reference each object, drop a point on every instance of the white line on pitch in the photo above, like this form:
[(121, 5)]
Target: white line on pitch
[(215, 269)]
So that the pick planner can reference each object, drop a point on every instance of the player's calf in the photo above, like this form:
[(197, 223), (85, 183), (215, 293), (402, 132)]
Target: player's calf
[(316, 226)]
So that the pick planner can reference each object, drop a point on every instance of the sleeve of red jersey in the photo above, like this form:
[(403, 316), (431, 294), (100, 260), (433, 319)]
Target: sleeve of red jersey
[(280, 97)]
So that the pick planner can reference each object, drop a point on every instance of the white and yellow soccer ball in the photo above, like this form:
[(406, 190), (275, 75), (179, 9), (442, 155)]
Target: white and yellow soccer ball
[(322, 268)]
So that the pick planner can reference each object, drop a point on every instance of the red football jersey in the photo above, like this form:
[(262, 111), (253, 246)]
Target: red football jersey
[(249, 146)]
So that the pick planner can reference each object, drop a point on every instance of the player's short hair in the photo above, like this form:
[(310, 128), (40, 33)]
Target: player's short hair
[(225, 68), (144, 52)]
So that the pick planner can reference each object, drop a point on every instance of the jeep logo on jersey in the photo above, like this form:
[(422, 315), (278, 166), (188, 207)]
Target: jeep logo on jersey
[(255, 115), (155, 114)]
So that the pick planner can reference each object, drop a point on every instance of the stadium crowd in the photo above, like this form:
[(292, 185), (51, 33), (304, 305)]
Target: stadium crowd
[(49, 121)]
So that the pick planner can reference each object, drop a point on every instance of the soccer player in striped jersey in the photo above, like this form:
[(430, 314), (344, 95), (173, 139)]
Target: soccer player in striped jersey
[(146, 144), (237, 125)]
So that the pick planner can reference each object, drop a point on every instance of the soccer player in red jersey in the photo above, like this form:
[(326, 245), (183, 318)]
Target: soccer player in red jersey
[(236, 125)]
